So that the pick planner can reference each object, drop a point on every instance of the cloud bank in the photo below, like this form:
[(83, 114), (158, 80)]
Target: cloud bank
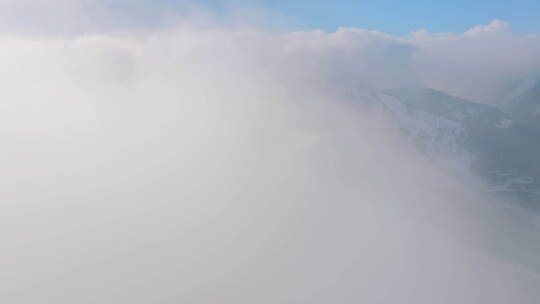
[(484, 64), (204, 165)]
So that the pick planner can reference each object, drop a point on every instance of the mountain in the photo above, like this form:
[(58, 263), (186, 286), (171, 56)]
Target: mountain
[(503, 150)]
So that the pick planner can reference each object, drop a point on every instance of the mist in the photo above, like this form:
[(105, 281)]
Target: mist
[(210, 164)]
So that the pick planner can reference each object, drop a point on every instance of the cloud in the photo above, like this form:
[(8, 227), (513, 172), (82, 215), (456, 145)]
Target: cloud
[(480, 65), (495, 27), (207, 165), (483, 64)]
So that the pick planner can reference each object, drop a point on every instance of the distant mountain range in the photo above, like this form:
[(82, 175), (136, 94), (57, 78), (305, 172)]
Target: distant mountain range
[(501, 145)]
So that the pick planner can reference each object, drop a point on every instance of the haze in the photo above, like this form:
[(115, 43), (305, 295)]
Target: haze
[(202, 160)]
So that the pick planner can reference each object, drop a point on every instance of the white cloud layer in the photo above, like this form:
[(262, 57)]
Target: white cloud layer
[(483, 64), (189, 165)]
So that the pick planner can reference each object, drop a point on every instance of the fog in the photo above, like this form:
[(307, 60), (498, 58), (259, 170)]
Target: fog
[(210, 164)]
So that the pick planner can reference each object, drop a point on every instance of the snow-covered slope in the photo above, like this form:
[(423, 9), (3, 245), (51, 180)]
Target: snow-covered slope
[(436, 135), (505, 152)]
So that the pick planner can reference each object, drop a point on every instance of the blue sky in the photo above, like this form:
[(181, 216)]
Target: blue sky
[(399, 17), (395, 17)]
